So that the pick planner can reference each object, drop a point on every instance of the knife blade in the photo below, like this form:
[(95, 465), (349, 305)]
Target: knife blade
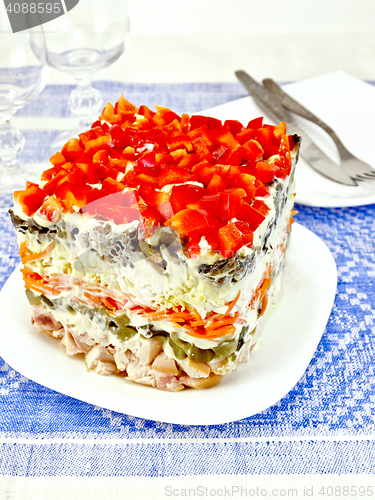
[(310, 152)]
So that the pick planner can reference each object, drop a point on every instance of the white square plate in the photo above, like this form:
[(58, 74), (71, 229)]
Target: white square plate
[(292, 332)]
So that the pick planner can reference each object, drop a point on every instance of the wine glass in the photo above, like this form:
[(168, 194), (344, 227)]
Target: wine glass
[(23, 75), (87, 39)]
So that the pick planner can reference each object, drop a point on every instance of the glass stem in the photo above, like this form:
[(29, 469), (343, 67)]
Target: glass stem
[(11, 142), (85, 102)]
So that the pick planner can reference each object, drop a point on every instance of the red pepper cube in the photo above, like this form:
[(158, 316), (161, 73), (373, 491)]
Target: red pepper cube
[(146, 112), (146, 164), (280, 130), (105, 171), (232, 157), (247, 234), (201, 149), (173, 175), (217, 183), (251, 150), (181, 196), (48, 174), (178, 155), (234, 126), (72, 195), (145, 179), (165, 211), (219, 153), (246, 135), (188, 161), (191, 222), (90, 172), (129, 153), (244, 181), (118, 137), (75, 176), (91, 134), (149, 220), (266, 172), (185, 124), (108, 114), (154, 197), (209, 203), (100, 157), (72, 150), (230, 202), (214, 124), (124, 107), (230, 240), (179, 142), (30, 198), (51, 209), (53, 183), (255, 123), (248, 214), (261, 207), (197, 121), (267, 140), (225, 138), (57, 159), (261, 190), (112, 186), (98, 144)]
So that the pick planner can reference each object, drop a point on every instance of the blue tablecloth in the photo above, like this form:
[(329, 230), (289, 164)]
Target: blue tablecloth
[(325, 425)]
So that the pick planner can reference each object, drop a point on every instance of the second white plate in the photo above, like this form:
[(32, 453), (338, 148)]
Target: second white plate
[(347, 104)]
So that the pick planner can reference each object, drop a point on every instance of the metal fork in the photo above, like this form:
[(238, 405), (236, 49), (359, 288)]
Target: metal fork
[(353, 166)]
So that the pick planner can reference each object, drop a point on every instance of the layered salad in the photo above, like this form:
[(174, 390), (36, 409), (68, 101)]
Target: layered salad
[(154, 243)]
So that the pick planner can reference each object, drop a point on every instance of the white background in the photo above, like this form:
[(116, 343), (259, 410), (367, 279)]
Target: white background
[(207, 40)]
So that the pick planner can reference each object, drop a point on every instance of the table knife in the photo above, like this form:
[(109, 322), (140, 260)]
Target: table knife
[(310, 152)]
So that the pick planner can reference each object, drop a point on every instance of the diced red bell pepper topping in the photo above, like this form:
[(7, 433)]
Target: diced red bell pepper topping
[(247, 234), (147, 150), (72, 195), (30, 198), (154, 197), (181, 196), (248, 214), (118, 137), (149, 219), (173, 175), (110, 186), (251, 150), (230, 240), (51, 209), (91, 134), (57, 159), (234, 126), (193, 222), (261, 207), (165, 211), (89, 171), (246, 182), (197, 121), (72, 150), (146, 164), (260, 189), (255, 123), (266, 172)]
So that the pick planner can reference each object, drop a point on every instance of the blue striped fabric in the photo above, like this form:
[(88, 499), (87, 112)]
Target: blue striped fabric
[(326, 424)]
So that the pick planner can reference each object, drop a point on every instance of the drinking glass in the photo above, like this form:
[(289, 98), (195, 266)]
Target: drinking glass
[(87, 39), (23, 75)]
